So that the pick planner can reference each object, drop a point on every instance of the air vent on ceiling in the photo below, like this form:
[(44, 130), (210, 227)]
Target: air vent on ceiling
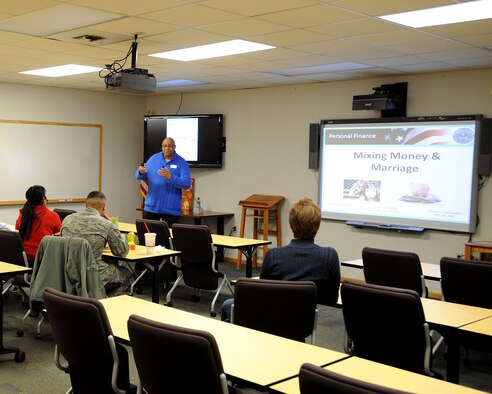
[(89, 37)]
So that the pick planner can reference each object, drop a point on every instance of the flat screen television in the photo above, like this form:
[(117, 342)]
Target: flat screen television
[(408, 173), (199, 138)]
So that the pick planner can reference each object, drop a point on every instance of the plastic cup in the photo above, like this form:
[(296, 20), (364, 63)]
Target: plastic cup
[(150, 242), (115, 221)]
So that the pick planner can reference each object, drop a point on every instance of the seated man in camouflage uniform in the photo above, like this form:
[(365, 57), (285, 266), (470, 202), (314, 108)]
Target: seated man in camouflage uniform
[(96, 227)]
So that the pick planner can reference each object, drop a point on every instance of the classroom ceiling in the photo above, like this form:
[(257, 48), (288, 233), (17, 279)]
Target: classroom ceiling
[(316, 40)]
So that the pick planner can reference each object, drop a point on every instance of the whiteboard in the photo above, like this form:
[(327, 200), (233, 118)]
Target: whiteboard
[(65, 158)]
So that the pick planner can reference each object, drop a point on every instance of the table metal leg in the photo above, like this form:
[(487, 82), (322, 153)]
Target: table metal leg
[(249, 252), (453, 357), (220, 231), (19, 355), (155, 284)]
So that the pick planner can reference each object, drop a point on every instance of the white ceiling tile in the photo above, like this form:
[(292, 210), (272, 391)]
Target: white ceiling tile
[(314, 15), (130, 26), (397, 61), (396, 37), (290, 37), (55, 19), (191, 15), (130, 7), (307, 33), (245, 27), (458, 54), (188, 37), (257, 7), (355, 28), (423, 47), (25, 6), (428, 67), (384, 7), (480, 40)]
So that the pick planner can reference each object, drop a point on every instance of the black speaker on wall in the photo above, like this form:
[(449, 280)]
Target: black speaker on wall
[(314, 129), (485, 152)]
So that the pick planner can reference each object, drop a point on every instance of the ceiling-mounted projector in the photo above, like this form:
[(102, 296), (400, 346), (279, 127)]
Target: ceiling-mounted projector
[(132, 80), (390, 99)]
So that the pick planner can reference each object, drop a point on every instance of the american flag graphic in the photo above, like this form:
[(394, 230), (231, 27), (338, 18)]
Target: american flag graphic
[(351, 188), (358, 188), (425, 136), (144, 186)]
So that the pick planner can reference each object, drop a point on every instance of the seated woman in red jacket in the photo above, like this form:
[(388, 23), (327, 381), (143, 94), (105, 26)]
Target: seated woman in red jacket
[(36, 220)]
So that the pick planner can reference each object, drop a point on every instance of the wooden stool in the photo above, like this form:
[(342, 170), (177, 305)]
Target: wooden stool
[(264, 208), (477, 247)]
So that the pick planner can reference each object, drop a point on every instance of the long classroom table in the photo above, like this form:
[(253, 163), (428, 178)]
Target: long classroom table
[(448, 318), (8, 270), (156, 260), (247, 246), (254, 356), (384, 375), (477, 335)]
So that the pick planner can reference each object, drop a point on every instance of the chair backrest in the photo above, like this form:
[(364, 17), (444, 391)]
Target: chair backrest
[(80, 329), (279, 307), (467, 282), (12, 248), (63, 213), (386, 325), (168, 272), (315, 380), (393, 268), (175, 359), (197, 256), (159, 227), (65, 264)]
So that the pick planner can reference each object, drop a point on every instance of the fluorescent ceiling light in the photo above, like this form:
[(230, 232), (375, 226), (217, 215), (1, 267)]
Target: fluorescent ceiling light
[(226, 48), (178, 83), (463, 12), (62, 71)]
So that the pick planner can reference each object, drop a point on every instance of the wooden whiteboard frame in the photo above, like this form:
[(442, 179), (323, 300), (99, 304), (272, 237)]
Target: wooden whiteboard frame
[(83, 125)]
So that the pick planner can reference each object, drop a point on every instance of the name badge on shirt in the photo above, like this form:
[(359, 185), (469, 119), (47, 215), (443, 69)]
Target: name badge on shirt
[(174, 166)]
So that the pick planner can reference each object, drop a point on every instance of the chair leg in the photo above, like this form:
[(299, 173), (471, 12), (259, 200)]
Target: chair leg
[(38, 326), (135, 282), (196, 295), (222, 283), (170, 292), (6, 285), (20, 332), (230, 288), (438, 343), (315, 327)]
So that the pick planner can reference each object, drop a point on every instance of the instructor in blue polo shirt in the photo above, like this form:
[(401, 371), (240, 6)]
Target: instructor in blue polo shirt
[(167, 174)]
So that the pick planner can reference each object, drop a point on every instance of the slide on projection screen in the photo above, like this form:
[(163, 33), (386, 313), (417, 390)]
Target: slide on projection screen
[(408, 173)]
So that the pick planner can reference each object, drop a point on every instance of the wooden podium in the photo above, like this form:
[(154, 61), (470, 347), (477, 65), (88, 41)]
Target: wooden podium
[(264, 208), (477, 247)]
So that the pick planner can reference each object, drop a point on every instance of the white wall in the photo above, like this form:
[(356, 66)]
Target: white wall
[(267, 145), (267, 149), (122, 119)]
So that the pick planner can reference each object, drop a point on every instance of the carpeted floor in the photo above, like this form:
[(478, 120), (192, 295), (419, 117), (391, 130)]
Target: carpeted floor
[(38, 374)]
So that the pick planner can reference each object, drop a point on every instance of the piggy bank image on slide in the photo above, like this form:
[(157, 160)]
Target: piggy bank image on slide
[(420, 189), (419, 193)]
